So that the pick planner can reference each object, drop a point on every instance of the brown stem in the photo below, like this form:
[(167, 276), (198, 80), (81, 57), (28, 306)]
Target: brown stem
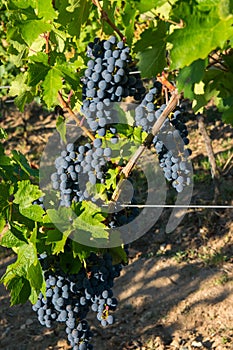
[(47, 50), (133, 160), (105, 17), (65, 106)]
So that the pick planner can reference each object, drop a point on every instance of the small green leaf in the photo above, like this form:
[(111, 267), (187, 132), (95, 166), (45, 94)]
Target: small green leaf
[(188, 76), (22, 99), (51, 85), (118, 255), (82, 251), (26, 194), (59, 246), (61, 127), (15, 278), (36, 280), (111, 176), (23, 4)]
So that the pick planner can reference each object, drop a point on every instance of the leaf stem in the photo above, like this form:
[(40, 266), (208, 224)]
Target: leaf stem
[(105, 17)]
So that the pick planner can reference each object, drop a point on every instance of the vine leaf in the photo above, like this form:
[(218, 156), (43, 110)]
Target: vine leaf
[(23, 4), (189, 76), (147, 5), (31, 29), (26, 194), (61, 127), (36, 73), (151, 53), (79, 11), (20, 276), (33, 212), (46, 10), (51, 85), (20, 159), (199, 36), (89, 223)]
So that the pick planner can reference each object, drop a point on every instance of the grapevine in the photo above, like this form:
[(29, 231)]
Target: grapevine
[(76, 64)]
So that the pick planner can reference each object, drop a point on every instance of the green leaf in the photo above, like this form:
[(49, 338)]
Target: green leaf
[(2, 223), (61, 127), (46, 10), (202, 33), (4, 160), (67, 72), (20, 159), (31, 29), (18, 85), (53, 235), (80, 13), (188, 76), (9, 240), (51, 85), (61, 218), (59, 246), (82, 251), (23, 4), (26, 194), (118, 255), (128, 19), (146, 5), (33, 212), (111, 176), (36, 73), (19, 231), (89, 224), (152, 51), (20, 290), (36, 280), (22, 99), (15, 278)]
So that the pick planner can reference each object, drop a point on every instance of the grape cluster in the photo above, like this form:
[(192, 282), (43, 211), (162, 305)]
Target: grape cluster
[(173, 156), (75, 167), (109, 77), (69, 298), (148, 111), (170, 142)]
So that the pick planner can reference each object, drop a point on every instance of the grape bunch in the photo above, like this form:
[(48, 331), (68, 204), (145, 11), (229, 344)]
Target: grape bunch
[(110, 76), (75, 167), (70, 297), (171, 140)]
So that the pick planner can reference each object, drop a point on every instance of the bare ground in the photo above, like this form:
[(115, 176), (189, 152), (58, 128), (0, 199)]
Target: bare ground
[(177, 290)]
